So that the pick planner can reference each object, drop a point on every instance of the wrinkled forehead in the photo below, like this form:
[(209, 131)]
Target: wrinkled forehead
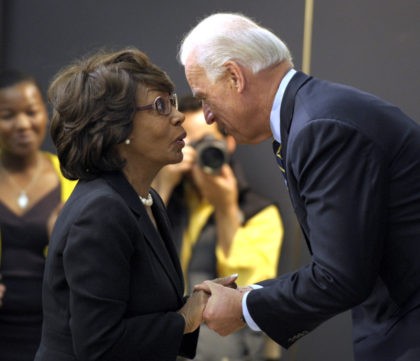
[(196, 77)]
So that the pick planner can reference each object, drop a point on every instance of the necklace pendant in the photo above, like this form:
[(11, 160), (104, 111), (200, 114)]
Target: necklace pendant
[(23, 200), (147, 201)]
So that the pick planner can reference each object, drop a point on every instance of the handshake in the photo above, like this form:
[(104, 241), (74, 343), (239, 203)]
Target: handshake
[(218, 303)]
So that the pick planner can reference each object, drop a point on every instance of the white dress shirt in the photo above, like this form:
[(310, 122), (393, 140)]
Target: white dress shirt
[(275, 129)]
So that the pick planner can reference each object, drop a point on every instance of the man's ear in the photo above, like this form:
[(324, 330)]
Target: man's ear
[(235, 75)]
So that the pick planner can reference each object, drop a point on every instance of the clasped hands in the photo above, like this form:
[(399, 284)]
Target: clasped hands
[(218, 303)]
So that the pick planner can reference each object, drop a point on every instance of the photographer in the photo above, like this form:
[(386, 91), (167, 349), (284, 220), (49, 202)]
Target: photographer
[(220, 225)]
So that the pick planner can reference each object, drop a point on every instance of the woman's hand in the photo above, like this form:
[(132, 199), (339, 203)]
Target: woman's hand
[(193, 309)]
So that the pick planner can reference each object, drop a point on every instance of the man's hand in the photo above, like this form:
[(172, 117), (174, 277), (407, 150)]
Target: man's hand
[(223, 312), (171, 175), (228, 281), (220, 189)]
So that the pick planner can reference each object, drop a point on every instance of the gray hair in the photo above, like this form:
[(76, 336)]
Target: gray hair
[(223, 37)]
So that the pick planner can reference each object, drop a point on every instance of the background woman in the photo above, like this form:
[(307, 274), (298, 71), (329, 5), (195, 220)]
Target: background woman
[(31, 191), (113, 285)]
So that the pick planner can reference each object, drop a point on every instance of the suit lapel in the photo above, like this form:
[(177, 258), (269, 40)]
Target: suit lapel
[(286, 116), (287, 107), (161, 244)]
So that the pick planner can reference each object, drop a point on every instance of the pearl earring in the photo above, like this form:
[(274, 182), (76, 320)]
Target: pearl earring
[(127, 141)]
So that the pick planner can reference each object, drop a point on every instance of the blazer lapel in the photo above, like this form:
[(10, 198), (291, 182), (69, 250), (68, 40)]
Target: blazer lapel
[(165, 229), (161, 246)]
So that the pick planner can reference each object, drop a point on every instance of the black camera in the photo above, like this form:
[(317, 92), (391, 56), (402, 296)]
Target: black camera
[(211, 154)]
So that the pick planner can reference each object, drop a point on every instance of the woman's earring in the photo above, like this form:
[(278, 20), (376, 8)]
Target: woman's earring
[(127, 141)]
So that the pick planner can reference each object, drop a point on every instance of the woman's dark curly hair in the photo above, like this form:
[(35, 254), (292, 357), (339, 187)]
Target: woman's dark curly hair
[(93, 105)]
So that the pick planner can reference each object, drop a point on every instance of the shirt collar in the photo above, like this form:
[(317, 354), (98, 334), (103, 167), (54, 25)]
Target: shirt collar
[(275, 110)]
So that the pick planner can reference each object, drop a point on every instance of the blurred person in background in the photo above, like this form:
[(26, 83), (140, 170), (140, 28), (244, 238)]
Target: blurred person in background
[(32, 191), (221, 225)]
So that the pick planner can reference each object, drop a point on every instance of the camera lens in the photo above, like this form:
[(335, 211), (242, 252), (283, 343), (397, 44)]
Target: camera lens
[(211, 154)]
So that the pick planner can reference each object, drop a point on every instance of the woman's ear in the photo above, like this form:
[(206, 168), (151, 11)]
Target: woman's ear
[(235, 75)]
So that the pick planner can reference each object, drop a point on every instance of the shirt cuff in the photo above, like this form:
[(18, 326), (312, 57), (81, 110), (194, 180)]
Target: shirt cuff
[(248, 319)]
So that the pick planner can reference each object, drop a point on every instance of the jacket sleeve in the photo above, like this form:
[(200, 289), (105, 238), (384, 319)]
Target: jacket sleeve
[(337, 183)]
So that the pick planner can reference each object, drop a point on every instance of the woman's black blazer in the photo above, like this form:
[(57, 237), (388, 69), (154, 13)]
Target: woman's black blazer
[(112, 283)]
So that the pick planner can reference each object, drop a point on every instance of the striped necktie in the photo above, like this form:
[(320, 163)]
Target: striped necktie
[(279, 159), (286, 114)]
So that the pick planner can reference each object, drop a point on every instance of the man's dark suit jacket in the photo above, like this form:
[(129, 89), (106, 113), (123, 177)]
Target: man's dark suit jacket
[(112, 284), (352, 165)]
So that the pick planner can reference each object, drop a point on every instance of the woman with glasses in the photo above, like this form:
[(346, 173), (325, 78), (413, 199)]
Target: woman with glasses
[(113, 287)]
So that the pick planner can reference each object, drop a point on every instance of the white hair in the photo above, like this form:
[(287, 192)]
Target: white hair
[(224, 36)]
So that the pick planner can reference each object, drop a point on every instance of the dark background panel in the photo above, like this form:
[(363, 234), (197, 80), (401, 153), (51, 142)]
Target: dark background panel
[(371, 44), (44, 35)]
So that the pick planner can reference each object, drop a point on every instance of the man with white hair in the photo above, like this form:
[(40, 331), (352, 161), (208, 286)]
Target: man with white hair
[(352, 166)]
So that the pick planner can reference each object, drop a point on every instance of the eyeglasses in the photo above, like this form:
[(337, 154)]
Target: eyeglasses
[(162, 104)]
